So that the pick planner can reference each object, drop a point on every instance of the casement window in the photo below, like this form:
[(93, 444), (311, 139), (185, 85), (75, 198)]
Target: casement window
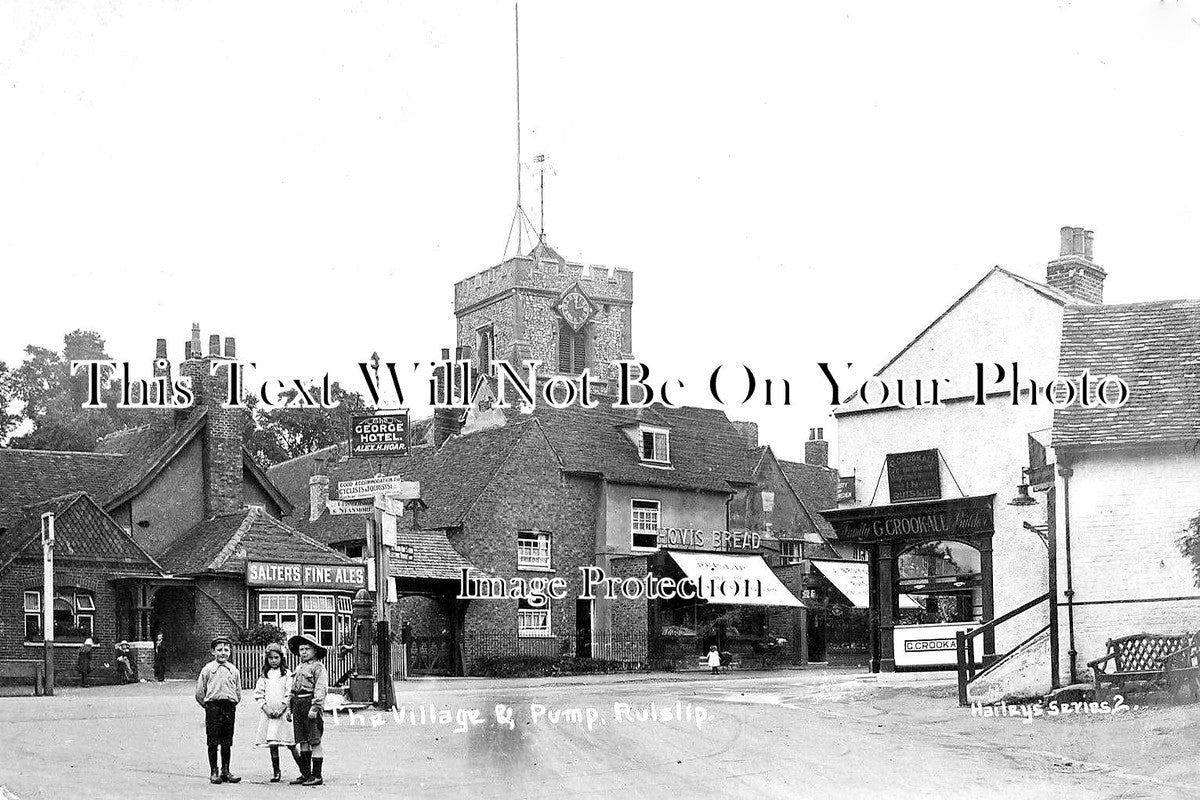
[(279, 610), (791, 551), (345, 625), (572, 350), (487, 349), (654, 444), (533, 550), (33, 616), (533, 620), (318, 617), (644, 524), (74, 614)]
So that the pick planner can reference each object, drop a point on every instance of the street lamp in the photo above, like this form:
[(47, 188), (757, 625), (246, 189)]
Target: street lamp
[(1023, 498)]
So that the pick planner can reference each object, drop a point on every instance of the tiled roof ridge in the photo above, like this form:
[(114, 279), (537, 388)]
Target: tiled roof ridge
[(1084, 308), (61, 452), (309, 454), (180, 436), (804, 464), (226, 552)]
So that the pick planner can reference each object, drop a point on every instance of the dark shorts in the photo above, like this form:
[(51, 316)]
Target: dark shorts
[(219, 716), (305, 729)]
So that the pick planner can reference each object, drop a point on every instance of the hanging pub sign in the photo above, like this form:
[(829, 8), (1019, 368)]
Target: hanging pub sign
[(914, 476), (279, 574), (379, 433), (845, 489)]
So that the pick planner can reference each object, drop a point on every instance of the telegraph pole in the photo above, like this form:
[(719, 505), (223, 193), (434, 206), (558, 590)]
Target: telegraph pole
[(48, 599)]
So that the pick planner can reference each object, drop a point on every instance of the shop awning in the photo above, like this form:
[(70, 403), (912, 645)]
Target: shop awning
[(720, 569), (850, 578)]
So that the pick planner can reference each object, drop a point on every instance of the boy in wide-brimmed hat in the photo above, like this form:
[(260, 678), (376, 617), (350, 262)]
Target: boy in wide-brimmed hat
[(310, 683), (218, 691)]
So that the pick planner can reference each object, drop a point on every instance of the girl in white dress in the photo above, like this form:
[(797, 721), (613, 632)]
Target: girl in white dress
[(274, 722)]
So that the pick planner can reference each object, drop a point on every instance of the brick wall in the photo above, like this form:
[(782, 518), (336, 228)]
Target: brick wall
[(630, 617), (222, 436), (24, 575), (220, 610), (527, 493), (1128, 512)]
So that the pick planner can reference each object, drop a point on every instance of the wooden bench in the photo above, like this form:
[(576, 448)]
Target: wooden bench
[(26, 669), (1183, 669), (1138, 662)]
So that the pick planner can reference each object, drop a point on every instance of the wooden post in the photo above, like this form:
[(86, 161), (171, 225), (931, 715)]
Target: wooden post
[(48, 599), (1052, 546), (961, 636)]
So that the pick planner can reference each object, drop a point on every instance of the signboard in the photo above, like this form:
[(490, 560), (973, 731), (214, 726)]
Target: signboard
[(966, 516), (693, 539), (365, 488), (381, 433), (392, 502), (404, 552), (279, 574), (845, 489), (931, 645), (914, 476), (1041, 478), (339, 508)]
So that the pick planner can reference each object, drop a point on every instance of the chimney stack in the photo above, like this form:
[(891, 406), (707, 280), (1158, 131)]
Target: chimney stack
[(1074, 271), (162, 420), (748, 431), (446, 423), (816, 449), (222, 450), (318, 496)]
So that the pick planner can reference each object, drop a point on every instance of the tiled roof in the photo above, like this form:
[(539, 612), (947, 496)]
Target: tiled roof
[(148, 453), (817, 489), (31, 476), (224, 544), (433, 556), (82, 531), (1153, 347), (452, 478), (707, 452)]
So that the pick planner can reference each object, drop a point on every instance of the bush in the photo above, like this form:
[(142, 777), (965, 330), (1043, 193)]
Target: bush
[(517, 666), (261, 635)]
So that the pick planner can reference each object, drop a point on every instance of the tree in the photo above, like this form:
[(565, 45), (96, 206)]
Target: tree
[(8, 421), (51, 397), (276, 435), (1189, 545)]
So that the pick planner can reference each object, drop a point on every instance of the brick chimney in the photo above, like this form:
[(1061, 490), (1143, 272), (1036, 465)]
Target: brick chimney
[(816, 449), (222, 443), (748, 431), (162, 420), (446, 423), (318, 496), (1073, 271)]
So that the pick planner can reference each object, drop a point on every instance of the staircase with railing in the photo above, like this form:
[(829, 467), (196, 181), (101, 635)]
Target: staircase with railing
[(968, 670)]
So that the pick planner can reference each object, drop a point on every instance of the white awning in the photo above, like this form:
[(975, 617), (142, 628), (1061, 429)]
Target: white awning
[(850, 578), (731, 580)]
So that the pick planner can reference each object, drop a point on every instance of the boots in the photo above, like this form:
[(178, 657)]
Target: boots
[(316, 779), (214, 776), (304, 762), (275, 776)]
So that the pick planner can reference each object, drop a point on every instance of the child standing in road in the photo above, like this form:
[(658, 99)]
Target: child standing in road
[(714, 660), (83, 662), (310, 683), (218, 691), (272, 695)]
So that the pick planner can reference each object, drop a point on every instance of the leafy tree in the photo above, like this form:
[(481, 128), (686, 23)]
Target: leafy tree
[(51, 397), (276, 435), (7, 421), (1189, 545)]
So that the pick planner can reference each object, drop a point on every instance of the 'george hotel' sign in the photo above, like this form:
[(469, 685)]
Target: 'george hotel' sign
[(280, 574)]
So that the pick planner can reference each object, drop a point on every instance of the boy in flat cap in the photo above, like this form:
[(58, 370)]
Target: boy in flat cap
[(218, 691), (310, 683)]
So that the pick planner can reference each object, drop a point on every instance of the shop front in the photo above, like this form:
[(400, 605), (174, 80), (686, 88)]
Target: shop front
[(929, 572), (745, 612), (313, 599)]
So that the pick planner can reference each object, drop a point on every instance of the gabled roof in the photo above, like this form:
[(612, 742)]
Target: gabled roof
[(434, 558), (1153, 347), (223, 544), (707, 452), (1048, 292), (148, 455), (815, 488), (82, 531), (452, 478), (31, 476)]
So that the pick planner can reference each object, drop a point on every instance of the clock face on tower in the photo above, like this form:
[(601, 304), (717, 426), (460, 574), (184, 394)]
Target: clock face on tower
[(575, 308)]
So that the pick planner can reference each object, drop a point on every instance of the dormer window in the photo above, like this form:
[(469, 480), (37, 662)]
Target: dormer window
[(654, 444)]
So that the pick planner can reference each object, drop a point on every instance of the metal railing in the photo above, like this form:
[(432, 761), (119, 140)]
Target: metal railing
[(968, 669)]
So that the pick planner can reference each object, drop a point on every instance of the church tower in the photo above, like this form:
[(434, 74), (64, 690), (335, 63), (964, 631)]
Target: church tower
[(542, 307)]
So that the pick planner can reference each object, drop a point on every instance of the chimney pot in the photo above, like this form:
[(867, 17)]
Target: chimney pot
[(445, 354), (1087, 245), (1066, 234), (230, 347), (214, 345), (160, 348), (196, 352), (1077, 241), (821, 434), (187, 351)]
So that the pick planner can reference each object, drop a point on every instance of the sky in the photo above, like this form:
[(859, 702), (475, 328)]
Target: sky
[(790, 183)]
